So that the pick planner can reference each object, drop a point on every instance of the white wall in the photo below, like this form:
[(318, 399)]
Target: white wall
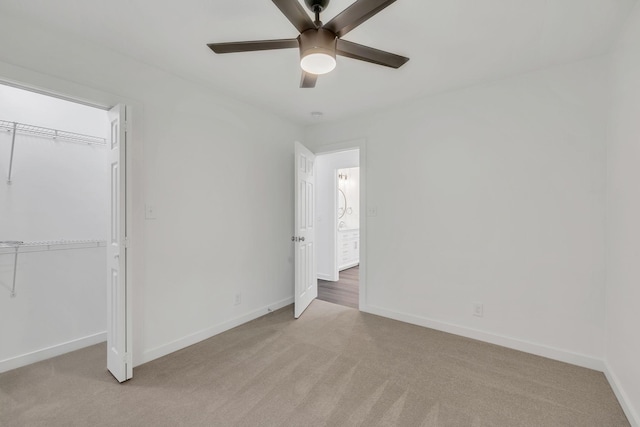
[(623, 222), (58, 192), (501, 190), (218, 172), (326, 208), (60, 304)]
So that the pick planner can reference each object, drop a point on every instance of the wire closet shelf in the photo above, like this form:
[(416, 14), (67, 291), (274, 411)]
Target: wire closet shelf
[(26, 129), (15, 247), (16, 128), (8, 246)]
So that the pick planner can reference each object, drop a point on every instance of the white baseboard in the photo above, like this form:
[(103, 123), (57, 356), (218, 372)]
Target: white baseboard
[(623, 398), (350, 265), (209, 332), (504, 341), (327, 277), (52, 351)]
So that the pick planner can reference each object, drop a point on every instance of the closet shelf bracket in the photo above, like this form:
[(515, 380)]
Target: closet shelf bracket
[(13, 145), (15, 245)]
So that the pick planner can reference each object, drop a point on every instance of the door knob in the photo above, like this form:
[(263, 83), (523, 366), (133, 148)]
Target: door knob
[(302, 239)]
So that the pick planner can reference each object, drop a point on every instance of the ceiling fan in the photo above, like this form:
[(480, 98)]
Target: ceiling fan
[(320, 43)]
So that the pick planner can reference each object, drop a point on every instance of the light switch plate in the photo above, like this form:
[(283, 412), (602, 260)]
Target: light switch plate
[(372, 211)]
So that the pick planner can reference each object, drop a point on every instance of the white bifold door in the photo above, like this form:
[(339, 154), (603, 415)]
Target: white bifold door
[(306, 282), (119, 360)]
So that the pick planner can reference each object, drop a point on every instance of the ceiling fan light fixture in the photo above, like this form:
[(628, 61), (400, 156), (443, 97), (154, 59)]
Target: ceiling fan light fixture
[(318, 63), (317, 51)]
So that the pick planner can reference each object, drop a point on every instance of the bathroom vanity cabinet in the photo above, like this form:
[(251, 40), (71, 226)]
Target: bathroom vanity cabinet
[(348, 248)]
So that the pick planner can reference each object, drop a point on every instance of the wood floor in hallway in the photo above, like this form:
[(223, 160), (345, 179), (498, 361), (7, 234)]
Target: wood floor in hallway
[(344, 291)]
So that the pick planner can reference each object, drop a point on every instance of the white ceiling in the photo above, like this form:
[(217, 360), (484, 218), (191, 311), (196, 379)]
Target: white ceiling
[(451, 43)]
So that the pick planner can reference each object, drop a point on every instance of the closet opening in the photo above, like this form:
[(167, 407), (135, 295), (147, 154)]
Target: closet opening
[(338, 227), (54, 226)]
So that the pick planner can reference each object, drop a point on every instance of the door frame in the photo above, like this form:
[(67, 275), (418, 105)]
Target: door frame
[(32, 81), (361, 145)]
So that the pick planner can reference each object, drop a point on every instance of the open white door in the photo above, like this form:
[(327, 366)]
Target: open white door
[(118, 316), (306, 281)]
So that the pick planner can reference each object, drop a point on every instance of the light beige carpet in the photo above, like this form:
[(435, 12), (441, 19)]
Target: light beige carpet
[(334, 366)]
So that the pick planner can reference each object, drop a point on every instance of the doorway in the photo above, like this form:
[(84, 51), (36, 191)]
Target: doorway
[(56, 217), (338, 227)]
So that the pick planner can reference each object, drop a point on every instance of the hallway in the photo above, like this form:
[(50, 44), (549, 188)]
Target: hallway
[(344, 291)]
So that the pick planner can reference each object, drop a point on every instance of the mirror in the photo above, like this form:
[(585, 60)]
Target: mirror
[(342, 203)]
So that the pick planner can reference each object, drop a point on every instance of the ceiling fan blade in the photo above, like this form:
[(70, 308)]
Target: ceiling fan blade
[(296, 14), (253, 45), (308, 80), (369, 54), (355, 15)]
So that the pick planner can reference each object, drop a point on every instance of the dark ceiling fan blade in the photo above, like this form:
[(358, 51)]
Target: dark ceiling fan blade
[(369, 54), (355, 15), (253, 45), (296, 14), (308, 80)]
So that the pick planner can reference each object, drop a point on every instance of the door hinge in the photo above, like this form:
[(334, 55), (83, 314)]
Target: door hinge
[(126, 358), (126, 126), (126, 242)]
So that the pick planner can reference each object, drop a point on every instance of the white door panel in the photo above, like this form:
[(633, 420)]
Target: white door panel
[(306, 283), (118, 332)]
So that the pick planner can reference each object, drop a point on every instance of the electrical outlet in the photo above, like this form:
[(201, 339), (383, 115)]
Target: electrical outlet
[(149, 212), (237, 299), (478, 309)]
